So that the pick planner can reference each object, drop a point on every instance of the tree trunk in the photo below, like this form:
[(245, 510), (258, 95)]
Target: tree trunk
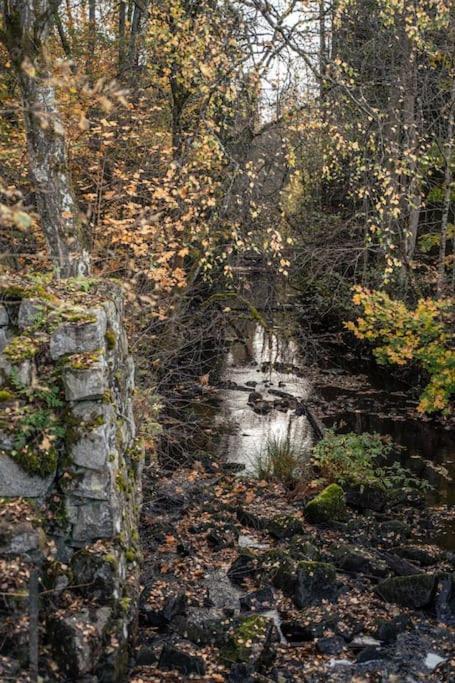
[(121, 35), (27, 24), (91, 42), (448, 181)]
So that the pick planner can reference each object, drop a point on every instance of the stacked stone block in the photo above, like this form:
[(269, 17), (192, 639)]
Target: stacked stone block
[(66, 389)]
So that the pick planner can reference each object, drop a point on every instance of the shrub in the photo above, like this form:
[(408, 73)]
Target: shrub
[(361, 459)]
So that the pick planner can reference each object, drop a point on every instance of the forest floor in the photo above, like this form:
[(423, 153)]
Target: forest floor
[(239, 586)]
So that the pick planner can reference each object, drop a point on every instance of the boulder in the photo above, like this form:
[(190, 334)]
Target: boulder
[(4, 317), (366, 497), (408, 591), (328, 506), (172, 659), (251, 641), (350, 558), (202, 626), (258, 601), (300, 549), (388, 630), (330, 645), (315, 581), (30, 311), (445, 599), (285, 526), (243, 567)]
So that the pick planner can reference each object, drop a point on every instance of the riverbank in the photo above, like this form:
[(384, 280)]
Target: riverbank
[(240, 586)]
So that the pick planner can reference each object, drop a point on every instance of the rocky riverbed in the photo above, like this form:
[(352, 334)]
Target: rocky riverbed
[(244, 583)]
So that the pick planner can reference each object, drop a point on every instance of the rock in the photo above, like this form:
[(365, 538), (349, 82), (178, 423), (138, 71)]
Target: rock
[(400, 566), (445, 599), (387, 631), (408, 591), (258, 601), (25, 372), (94, 574), (262, 407), (21, 538), (76, 639), (241, 673), (15, 482), (414, 553), (395, 528), (299, 549), (4, 317), (250, 519), (233, 467), (80, 337), (222, 536), (30, 311), (93, 519), (172, 659), (83, 384), (361, 641), (366, 498), (93, 484), (173, 606), (296, 633), (315, 581), (93, 436), (242, 568), (433, 660), (370, 654), (251, 641), (221, 593), (327, 506), (5, 337), (350, 558), (285, 526), (331, 645), (202, 626), (168, 499), (277, 567)]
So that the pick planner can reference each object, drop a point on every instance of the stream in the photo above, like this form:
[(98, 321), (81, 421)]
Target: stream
[(344, 394)]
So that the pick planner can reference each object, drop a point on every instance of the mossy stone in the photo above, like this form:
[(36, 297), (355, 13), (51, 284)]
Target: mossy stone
[(415, 590), (327, 506), (285, 526), (247, 640)]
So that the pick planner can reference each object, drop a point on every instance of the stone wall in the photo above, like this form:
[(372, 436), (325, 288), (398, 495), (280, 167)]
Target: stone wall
[(70, 480)]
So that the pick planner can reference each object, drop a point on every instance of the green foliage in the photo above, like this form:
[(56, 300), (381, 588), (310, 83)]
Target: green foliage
[(360, 459), (431, 240), (280, 461), (403, 336)]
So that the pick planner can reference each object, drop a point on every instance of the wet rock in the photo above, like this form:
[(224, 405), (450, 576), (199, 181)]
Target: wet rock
[(315, 581), (242, 568), (366, 498), (327, 506), (331, 645), (388, 630), (172, 659), (285, 526), (445, 599), (251, 641), (241, 673), (408, 591), (258, 601)]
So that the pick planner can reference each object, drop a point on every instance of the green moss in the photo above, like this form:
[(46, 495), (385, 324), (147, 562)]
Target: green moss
[(20, 349), (328, 506), (34, 461), (6, 396), (107, 397), (244, 637), (111, 339), (131, 555)]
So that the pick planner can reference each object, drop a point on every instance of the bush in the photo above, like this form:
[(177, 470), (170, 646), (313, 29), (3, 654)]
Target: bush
[(360, 459)]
